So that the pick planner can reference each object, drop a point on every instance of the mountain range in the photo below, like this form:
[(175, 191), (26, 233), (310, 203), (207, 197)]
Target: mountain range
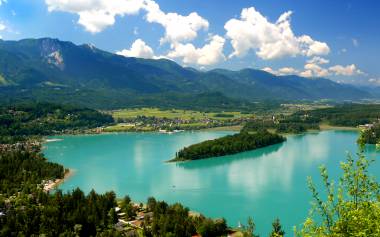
[(46, 69)]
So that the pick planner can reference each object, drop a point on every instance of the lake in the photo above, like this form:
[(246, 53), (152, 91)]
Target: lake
[(265, 183)]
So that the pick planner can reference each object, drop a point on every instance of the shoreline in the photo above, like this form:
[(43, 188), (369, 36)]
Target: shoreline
[(234, 128), (53, 185)]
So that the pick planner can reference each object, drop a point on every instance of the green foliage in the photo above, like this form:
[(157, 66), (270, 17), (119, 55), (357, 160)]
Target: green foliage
[(33, 119), (228, 145), (249, 229), (23, 170), (70, 214), (350, 115), (371, 135), (174, 220), (171, 219), (351, 209), (128, 208), (277, 230), (211, 228), (295, 123)]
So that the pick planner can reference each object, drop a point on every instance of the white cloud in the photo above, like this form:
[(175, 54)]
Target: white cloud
[(269, 69), (178, 28), (348, 70), (96, 15), (310, 47), (2, 26), (209, 54), (314, 68), (138, 49), (306, 73), (269, 40), (282, 71), (318, 60), (287, 71), (2, 1)]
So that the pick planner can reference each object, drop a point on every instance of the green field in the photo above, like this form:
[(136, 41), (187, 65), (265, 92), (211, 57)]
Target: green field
[(177, 114)]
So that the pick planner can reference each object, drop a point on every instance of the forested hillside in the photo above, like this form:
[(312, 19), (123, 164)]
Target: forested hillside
[(47, 69), (20, 121)]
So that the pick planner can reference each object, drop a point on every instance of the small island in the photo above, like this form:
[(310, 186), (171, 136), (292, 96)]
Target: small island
[(228, 145)]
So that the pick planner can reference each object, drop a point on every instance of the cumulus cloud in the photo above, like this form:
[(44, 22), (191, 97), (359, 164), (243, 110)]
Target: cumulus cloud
[(210, 53), (314, 68), (287, 71), (282, 71), (269, 40), (138, 49), (178, 28), (2, 1), (318, 60), (348, 70), (96, 15)]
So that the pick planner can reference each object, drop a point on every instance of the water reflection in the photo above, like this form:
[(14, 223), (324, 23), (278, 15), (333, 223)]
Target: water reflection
[(265, 183), (255, 171)]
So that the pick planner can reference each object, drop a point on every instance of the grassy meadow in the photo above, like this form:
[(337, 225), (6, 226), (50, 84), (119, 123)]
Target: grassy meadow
[(176, 114)]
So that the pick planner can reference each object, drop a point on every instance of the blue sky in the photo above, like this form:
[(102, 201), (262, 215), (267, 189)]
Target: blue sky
[(333, 39)]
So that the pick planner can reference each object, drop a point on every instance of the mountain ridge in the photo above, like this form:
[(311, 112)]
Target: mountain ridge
[(34, 64)]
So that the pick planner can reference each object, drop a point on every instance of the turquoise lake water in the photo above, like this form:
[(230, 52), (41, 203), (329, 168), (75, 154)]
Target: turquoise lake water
[(265, 183)]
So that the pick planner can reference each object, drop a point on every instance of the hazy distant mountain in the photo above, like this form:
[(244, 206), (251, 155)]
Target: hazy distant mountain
[(41, 67)]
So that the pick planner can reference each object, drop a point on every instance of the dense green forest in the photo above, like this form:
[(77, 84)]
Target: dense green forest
[(23, 170), (71, 214), (228, 145), (33, 119), (346, 114), (174, 220)]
